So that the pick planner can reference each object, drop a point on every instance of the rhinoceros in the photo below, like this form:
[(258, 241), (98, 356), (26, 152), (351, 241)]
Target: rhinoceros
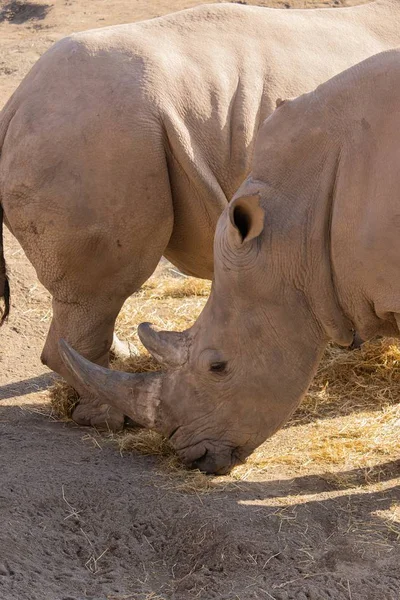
[(125, 143), (306, 251)]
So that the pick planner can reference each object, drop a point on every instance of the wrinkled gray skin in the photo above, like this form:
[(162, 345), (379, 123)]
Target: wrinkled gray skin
[(307, 251), (125, 143)]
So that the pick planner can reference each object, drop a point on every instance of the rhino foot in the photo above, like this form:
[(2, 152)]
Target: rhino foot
[(101, 416), (122, 350)]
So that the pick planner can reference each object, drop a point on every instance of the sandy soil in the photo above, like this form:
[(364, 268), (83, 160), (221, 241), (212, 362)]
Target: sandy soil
[(80, 520)]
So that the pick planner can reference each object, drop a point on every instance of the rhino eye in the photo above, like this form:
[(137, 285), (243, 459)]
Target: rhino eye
[(218, 367)]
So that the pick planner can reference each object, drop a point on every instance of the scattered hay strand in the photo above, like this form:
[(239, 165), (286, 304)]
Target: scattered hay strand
[(150, 443), (391, 520)]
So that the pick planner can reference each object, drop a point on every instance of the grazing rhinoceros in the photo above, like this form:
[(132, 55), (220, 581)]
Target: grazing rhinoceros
[(307, 251), (124, 143)]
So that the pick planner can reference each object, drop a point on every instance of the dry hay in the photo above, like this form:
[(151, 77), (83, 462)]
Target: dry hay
[(349, 420), (63, 400)]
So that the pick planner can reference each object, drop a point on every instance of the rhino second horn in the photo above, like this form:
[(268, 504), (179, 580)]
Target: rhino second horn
[(169, 348), (137, 395)]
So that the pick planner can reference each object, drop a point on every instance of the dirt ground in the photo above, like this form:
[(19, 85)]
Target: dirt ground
[(79, 519)]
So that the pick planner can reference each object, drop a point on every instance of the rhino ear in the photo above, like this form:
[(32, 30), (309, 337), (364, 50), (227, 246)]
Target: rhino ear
[(246, 218)]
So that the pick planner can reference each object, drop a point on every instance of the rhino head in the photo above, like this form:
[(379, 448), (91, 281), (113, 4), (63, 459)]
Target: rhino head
[(232, 379)]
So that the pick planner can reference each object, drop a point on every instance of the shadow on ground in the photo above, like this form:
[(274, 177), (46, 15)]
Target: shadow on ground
[(19, 11), (26, 386)]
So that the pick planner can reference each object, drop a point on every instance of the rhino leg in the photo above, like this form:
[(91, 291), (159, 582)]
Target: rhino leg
[(88, 326)]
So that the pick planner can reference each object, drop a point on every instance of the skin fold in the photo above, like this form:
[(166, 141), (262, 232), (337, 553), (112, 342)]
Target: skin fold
[(124, 144)]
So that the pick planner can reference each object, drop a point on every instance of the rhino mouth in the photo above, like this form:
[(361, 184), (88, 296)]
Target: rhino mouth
[(138, 395), (210, 461)]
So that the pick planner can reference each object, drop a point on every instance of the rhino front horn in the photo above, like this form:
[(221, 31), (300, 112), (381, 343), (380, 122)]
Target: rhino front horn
[(169, 348), (137, 395)]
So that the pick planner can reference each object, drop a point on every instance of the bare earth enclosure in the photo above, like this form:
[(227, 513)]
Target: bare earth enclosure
[(313, 515)]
